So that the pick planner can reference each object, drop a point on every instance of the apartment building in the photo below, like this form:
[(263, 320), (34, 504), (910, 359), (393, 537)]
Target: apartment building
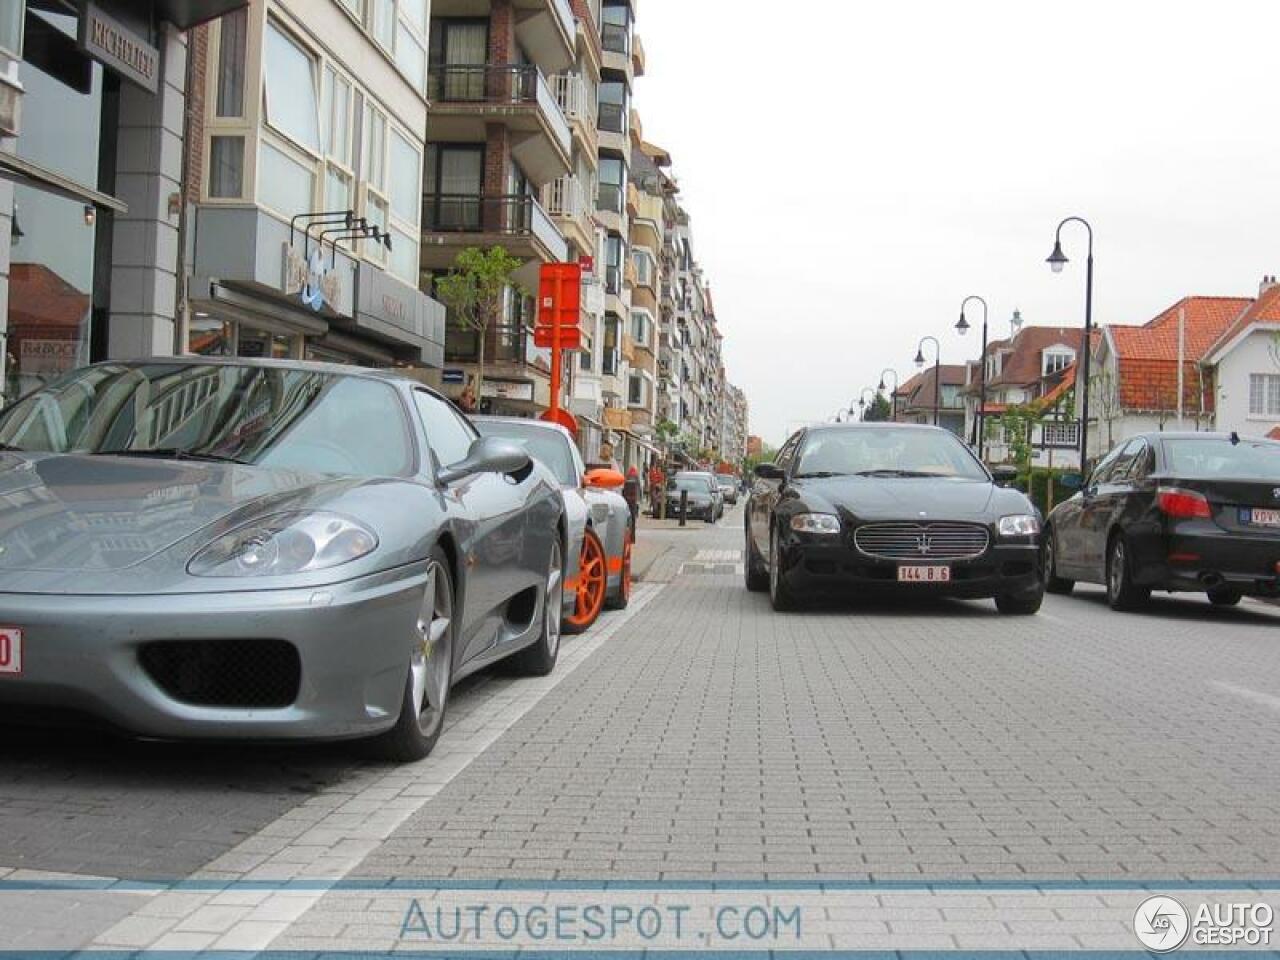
[(646, 200), (92, 107), (734, 425), (303, 184)]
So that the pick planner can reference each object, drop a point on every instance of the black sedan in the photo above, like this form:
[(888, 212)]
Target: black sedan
[(860, 509), (1186, 512)]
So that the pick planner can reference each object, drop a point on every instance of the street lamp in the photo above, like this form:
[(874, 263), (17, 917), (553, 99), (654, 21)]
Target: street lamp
[(862, 401), (963, 328), (937, 369), (893, 397), (1057, 260)]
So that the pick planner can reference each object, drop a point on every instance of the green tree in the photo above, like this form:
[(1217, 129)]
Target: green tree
[(879, 411), (473, 291)]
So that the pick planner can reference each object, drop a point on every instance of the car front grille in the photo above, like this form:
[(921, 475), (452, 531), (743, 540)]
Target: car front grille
[(922, 541), (225, 673)]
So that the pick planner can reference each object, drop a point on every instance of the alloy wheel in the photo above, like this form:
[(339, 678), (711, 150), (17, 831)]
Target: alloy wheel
[(1115, 569), (555, 599), (431, 667)]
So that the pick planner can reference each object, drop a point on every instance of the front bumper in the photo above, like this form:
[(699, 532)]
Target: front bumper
[(83, 657), (696, 511), (1199, 555), (812, 565)]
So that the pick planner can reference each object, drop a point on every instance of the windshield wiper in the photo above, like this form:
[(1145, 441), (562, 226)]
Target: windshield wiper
[(820, 475), (10, 448), (896, 473), (170, 453)]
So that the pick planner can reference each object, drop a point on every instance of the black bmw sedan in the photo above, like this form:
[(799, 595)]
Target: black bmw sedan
[(1183, 512), (859, 509)]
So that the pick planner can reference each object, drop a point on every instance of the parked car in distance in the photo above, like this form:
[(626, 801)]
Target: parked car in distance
[(597, 518), (728, 486), (1182, 512), (270, 550), (703, 496), (869, 509)]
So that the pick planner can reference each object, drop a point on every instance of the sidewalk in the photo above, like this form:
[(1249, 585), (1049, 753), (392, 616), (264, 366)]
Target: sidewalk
[(662, 546)]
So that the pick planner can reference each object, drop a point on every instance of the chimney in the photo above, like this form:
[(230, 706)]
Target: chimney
[(1267, 284)]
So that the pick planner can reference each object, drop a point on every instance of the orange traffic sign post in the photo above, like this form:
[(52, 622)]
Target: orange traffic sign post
[(557, 328)]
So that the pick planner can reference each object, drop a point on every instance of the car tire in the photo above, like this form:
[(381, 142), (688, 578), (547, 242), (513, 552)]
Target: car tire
[(1122, 592), (753, 570), (1021, 604), (1224, 596), (539, 658), (593, 585), (622, 597), (780, 595), (1052, 582), (420, 722)]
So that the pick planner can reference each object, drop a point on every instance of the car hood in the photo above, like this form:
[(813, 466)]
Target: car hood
[(96, 514), (902, 498)]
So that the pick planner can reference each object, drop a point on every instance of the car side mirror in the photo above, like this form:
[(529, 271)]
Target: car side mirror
[(1004, 475), (1071, 481), (770, 471), (603, 479), (487, 455)]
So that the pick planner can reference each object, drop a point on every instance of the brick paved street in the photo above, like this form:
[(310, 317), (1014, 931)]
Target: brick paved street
[(702, 737)]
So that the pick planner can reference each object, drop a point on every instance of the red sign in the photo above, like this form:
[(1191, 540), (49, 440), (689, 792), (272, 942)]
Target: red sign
[(559, 305), (587, 263)]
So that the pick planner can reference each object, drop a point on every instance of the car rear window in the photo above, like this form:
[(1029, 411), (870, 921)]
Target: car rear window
[(1210, 457)]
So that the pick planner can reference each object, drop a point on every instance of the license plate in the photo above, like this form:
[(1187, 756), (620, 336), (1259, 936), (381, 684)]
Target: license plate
[(10, 651), (920, 574), (1264, 518)]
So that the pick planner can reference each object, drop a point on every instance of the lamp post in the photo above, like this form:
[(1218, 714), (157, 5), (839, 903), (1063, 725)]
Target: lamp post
[(862, 401), (893, 397), (937, 369), (963, 327), (1057, 260)]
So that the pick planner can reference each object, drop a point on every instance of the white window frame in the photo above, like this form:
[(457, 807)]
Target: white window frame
[(1265, 388), (404, 230), (647, 342)]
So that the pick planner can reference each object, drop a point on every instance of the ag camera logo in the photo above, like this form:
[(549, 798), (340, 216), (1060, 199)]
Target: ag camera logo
[(1161, 924)]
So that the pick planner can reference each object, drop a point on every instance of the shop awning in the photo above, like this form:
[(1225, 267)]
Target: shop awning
[(185, 14), (22, 171)]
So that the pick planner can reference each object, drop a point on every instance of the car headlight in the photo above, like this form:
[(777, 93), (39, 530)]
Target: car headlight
[(815, 523), (1019, 525), (284, 543)]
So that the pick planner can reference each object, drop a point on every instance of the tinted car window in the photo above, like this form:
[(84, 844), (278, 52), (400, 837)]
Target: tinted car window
[(1218, 457), (1122, 470), (448, 435), (693, 482), (268, 416), (887, 450), (550, 447)]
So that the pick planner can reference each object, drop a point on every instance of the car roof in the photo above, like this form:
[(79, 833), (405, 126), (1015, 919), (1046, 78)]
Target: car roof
[(876, 425), (1196, 435), (526, 422), (312, 366)]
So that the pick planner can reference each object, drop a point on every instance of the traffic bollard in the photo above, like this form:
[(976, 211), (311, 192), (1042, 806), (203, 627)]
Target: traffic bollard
[(684, 506)]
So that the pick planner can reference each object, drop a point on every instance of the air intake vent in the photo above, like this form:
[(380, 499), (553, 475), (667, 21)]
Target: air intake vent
[(225, 673)]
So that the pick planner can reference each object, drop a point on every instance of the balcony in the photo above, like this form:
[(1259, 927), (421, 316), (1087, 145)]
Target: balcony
[(467, 97), (545, 29), (616, 38), (580, 108), (609, 198), (613, 118), (637, 56), (566, 201), (517, 223)]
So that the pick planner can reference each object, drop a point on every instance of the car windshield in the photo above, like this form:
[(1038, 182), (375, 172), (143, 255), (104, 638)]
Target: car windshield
[(1210, 457), (266, 416), (887, 452), (543, 444), (692, 482)]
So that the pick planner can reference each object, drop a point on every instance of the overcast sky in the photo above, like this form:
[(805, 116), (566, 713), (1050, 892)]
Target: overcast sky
[(855, 169)]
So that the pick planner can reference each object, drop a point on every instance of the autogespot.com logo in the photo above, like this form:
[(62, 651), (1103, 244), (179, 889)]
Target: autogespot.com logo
[(1161, 924)]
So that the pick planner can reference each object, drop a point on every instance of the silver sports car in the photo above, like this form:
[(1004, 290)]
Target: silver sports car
[(598, 520), (265, 549)]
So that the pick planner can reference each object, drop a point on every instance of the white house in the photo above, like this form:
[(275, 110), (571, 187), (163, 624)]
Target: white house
[(1245, 361)]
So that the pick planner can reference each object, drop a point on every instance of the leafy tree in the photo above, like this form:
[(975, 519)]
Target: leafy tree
[(473, 292), (879, 410)]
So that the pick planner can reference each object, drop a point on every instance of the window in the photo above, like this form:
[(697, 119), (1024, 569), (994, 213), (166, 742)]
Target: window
[(374, 153), (406, 179), (615, 31), (226, 167), (1264, 395), (635, 390), (284, 184), (613, 106), (353, 7), (612, 184), (453, 184), (382, 19), (645, 267), (11, 19), (231, 55), (411, 56), (642, 328), (291, 102), (335, 115), (1055, 361), (610, 360), (614, 251), (448, 435)]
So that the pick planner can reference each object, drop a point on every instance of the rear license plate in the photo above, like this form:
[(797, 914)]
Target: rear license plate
[(10, 651), (919, 574), (1262, 518)]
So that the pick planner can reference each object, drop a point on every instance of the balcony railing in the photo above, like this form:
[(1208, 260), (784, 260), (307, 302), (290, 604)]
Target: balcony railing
[(498, 84), (574, 99), (508, 343), (566, 197), (513, 215)]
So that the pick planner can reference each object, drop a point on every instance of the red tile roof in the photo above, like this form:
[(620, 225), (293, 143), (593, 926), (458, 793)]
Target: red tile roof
[(1266, 309), (918, 391), (1024, 364), (1148, 355), (40, 302)]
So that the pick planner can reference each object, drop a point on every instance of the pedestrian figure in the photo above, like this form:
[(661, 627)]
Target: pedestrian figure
[(631, 494)]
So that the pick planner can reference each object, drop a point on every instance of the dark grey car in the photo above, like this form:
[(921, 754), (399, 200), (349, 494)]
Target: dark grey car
[(265, 549)]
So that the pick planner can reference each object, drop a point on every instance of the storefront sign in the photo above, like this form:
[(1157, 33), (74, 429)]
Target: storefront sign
[(310, 279), (45, 357), (456, 377), (108, 41), (507, 390)]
